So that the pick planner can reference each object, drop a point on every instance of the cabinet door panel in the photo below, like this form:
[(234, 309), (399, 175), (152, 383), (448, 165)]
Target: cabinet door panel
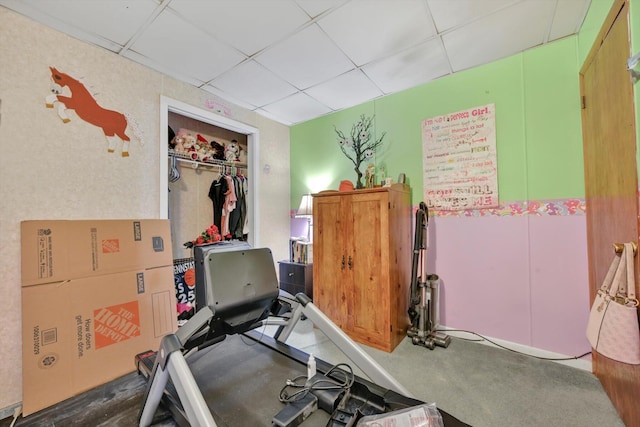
[(368, 297), (328, 237), (371, 231)]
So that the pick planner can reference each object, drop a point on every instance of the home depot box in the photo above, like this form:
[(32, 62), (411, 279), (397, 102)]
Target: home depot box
[(94, 294), (80, 333), (58, 250)]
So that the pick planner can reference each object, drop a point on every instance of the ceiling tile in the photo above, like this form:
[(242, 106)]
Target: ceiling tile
[(175, 44), (366, 30), (228, 97), (247, 25), (409, 68), (271, 116), (172, 70), (567, 18), (448, 14), (108, 23), (259, 52), (306, 58), (498, 35), (344, 91), (314, 8), (297, 108), (253, 83)]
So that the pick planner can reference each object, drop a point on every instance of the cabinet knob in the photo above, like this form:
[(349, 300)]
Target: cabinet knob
[(342, 263), (350, 263), (291, 274)]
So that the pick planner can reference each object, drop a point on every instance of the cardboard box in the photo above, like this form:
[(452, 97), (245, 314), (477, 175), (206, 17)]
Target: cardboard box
[(85, 327), (58, 250)]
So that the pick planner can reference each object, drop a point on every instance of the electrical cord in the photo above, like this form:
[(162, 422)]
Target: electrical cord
[(300, 386), (483, 338), (16, 413), (249, 342)]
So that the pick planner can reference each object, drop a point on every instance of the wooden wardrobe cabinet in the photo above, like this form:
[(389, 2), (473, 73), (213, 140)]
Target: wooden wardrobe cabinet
[(362, 262)]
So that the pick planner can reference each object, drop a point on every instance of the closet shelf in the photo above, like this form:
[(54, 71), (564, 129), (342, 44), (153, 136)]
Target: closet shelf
[(184, 158)]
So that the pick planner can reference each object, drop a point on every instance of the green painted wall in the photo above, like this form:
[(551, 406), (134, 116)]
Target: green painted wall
[(598, 11), (537, 127), (538, 123)]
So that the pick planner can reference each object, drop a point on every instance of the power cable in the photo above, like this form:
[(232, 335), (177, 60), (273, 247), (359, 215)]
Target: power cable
[(483, 338)]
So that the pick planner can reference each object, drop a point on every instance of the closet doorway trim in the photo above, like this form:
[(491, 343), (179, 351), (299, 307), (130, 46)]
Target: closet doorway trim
[(171, 105)]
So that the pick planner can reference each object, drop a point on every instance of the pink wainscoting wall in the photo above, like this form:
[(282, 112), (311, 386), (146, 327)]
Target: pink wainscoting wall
[(522, 279), (559, 283)]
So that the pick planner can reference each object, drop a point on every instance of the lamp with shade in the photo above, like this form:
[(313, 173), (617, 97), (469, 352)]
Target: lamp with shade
[(306, 211)]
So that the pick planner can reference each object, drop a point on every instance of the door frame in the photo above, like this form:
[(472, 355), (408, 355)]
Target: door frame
[(168, 105), (620, 381)]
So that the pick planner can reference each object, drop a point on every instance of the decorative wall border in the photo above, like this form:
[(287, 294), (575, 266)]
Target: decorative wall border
[(554, 207)]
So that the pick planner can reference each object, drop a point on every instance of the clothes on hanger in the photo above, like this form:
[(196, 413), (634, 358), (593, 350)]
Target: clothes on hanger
[(217, 192), (228, 195)]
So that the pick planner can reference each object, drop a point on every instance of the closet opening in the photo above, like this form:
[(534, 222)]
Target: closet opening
[(202, 153)]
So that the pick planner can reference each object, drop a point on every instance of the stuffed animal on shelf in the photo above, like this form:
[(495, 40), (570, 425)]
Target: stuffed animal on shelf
[(217, 150), (231, 151), (190, 146), (204, 154), (202, 149), (201, 140), (178, 144)]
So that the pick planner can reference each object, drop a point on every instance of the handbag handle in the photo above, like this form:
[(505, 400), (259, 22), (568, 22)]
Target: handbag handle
[(619, 281), (629, 291), (620, 276), (613, 271)]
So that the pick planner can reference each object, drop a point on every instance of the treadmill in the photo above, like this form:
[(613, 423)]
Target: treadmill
[(219, 370)]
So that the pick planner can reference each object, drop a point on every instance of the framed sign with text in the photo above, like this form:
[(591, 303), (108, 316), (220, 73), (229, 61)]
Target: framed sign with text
[(460, 169)]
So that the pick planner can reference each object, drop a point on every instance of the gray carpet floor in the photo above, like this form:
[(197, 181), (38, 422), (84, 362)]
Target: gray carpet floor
[(479, 384), (483, 385)]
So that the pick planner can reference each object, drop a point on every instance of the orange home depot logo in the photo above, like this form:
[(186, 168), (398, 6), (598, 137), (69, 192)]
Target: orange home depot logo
[(110, 246), (116, 323)]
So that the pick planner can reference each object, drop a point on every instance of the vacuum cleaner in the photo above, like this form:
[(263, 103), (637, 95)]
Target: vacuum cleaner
[(424, 299)]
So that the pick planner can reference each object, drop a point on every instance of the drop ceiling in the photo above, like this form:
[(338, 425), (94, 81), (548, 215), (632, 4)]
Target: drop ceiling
[(295, 60)]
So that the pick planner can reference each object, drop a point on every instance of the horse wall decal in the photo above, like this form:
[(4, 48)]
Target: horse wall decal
[(113, 123)]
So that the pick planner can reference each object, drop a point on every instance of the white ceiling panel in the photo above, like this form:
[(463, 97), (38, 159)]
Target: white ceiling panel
[(409, 68), (313, 8), (349, 89), (175, 44), (110, 27), (370, 29), (306, 58), (448, 14), (253, 83), (228, 97), (297, 108), (115, 20), (294, 60), (568, 17), (498, 35), (248, 25), (173, 70)]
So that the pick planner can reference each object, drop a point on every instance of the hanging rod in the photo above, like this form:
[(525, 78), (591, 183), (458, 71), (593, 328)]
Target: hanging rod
[(214, 162), (195, 164), (618, 247)]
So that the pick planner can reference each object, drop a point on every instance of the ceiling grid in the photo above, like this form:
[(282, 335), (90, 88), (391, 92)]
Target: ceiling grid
[(295, 60)]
